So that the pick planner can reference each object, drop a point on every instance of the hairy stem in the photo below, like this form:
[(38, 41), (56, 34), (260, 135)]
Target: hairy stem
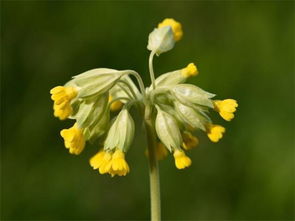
[(153, 167)]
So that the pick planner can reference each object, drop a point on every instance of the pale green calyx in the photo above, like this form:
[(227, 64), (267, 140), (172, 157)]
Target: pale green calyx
[(121, 132), (191, 116), (161, 40), (191, 94), (97, 81), (167, 130)]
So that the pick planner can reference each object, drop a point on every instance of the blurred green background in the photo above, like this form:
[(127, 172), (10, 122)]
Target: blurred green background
[(244, 50)]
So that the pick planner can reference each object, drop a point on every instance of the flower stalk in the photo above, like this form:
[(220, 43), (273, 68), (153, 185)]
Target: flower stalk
[(153, 167)]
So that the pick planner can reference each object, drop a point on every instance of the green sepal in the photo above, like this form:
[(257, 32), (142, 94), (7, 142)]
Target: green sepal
[(188, 93), (90, 110), (167, 130), (191, 116), (96, 81), (99, 127), (170, 79), (121, 132)]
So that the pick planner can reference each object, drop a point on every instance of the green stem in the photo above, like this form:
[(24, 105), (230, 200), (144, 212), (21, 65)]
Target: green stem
[(153, 167), (151, 69)]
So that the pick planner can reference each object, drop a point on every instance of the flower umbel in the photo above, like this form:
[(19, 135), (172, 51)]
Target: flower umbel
[(101, 102), (171, 107)]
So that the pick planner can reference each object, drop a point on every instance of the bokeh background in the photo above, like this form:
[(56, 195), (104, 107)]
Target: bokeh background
[(244, 50)]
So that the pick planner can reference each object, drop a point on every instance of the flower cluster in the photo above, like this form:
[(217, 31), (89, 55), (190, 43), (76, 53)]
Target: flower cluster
[(177, 109)]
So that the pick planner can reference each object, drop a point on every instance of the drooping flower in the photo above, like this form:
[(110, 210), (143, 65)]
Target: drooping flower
[(62, 97), (74, 139), (113, 163), (176, 27), (119, 165), (226, 108), (181, 160), (189, 141), (215, 132)]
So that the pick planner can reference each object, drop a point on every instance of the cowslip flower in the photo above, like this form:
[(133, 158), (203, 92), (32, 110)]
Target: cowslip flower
[(172, 111), (226, 108)]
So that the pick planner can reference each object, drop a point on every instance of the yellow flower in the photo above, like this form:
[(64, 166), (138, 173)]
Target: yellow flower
[(189, 141), (190, 70), (62, 94), (112, 163), (62, 97), (116, 105), (226, 108), (63, 110), (176, 27), (101, 161), (119, 166), (181, 160), (97, 160), (73, 139), (215, 132)]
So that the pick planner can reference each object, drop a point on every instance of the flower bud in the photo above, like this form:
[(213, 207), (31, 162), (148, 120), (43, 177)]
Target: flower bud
[(161, 40)]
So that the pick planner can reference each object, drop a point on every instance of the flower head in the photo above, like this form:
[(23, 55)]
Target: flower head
[(170, 108), (181, 160), (176, 27), (226, 108), (73, 139)]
